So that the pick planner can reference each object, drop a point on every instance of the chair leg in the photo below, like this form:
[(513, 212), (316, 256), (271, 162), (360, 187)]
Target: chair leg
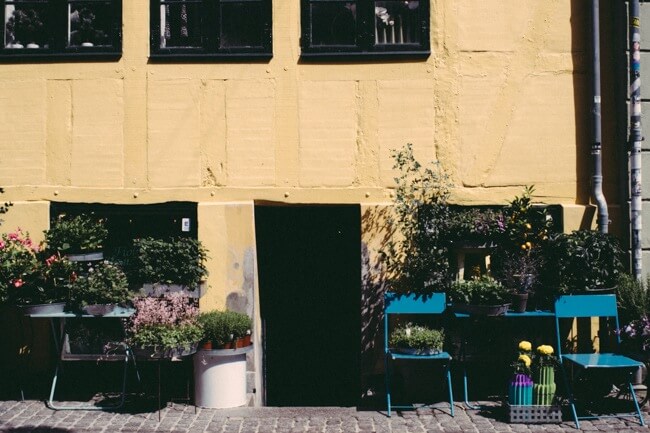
[(636, 403), (569, 391), (387, 377), (451, 392)]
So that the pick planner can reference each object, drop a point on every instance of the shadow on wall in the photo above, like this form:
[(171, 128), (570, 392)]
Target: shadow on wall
[(374, 282)]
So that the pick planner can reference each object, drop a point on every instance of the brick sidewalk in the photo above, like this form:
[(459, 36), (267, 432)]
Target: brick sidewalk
[(34, 416)]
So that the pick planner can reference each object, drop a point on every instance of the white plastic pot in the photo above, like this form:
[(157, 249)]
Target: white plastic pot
[(220, 378)]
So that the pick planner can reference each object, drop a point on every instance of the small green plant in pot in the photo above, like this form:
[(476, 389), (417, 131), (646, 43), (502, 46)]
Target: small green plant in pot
[(225, 329), (480, 296), (98, 288), (174, 261), (416, 340), (78, 235)]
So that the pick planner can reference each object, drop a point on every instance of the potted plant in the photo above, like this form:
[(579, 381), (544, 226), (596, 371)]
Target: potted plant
[(479, 296), (26, 28), (225, 329), (80, 237), (583, 260), (175, 261), (164, 326), (99, 288), (32, 278), (518, 271), (416, 340), (544, 386), (220, 370), (520, 386)]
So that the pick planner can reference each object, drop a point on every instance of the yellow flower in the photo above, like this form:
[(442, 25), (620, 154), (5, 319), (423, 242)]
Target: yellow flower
[(545, 350), (528, 226), (525, 346), (525, 359)]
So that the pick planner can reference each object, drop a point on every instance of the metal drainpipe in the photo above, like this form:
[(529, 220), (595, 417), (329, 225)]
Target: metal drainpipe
[(596, 146), (635, 138)]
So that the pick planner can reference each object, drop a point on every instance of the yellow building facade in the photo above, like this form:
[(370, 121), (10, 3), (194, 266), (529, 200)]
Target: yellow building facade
[(501, 102)]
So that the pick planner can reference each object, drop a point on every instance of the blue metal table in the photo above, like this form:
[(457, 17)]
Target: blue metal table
[(507, 315), (59, 336)]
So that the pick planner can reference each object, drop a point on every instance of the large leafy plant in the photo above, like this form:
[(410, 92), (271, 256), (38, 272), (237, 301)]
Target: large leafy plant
[(174, 261), (78, 234), (99, 283), (416, 255), (583, 260)]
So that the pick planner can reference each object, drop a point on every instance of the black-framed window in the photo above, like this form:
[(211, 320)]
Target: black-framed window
[(365, 28), (51, 28), (211, 28)]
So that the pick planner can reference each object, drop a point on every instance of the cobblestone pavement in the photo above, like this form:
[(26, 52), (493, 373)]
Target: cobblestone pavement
[(34, 416)]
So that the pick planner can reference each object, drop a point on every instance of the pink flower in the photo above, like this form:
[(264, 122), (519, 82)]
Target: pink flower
[(50, 260), (18, 282)]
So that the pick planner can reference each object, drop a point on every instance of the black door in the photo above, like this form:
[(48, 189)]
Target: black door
[(310, 288)]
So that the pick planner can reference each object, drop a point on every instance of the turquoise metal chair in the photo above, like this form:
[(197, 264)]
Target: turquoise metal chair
[(593, 306), (414, 304)]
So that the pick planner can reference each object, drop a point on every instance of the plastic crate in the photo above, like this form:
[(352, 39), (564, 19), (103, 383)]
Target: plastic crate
[(534, 414)]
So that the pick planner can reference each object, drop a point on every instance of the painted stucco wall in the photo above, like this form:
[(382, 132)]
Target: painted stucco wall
[(481, 103), (502, 102)]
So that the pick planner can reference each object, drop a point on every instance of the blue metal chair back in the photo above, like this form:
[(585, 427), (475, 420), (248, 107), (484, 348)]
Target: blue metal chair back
[(584, 306), (411, 304)]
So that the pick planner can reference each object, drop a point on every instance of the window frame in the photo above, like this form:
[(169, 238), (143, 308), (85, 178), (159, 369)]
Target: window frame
[(365, 47), (57, 11), (210, 47)]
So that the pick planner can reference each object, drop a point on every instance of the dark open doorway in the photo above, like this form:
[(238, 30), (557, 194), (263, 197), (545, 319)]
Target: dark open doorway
[(309, 260)]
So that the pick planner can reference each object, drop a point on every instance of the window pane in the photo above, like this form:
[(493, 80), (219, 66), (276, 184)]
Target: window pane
[(333, 23), (180, 24), (89, 24), (241, 25), (396, 22), (26, 25)]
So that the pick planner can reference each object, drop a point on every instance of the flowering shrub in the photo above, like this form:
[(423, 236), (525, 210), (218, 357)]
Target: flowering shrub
[(28, 275), (635, 336), (165, 322)]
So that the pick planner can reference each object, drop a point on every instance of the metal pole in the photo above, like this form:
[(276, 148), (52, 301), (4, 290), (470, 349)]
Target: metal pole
[(635, 137), (596, 146)]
